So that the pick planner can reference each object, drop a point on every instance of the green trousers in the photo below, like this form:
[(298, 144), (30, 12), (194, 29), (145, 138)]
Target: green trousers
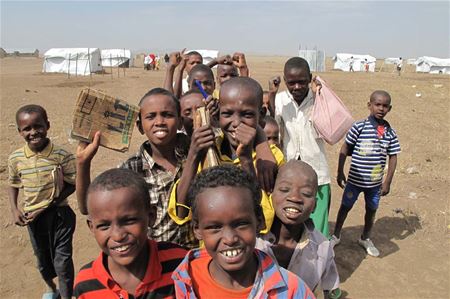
[(320, 215)]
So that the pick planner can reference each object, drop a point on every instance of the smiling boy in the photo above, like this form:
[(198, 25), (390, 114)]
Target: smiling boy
[(130, 265), (46, 174), (227, 216), (159, 161), (293, 240)]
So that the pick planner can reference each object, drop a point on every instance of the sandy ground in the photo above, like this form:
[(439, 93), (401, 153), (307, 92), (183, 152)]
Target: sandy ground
[(412, 227)]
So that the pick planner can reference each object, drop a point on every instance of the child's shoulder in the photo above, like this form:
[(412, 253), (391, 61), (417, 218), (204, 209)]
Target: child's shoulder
[(18, 153)]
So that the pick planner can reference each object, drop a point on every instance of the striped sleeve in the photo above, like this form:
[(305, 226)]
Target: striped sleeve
[(353, 133), (394, 145), (87, 285), (69, 168), (13, 175), (297, 288)]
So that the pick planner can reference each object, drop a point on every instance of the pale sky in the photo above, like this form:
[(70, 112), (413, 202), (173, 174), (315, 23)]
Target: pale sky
[(381, 29)]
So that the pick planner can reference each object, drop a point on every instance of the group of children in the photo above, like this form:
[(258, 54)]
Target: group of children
[(250, 223)]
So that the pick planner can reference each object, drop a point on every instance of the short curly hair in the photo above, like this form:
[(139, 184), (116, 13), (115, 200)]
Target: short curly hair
[(117, 178), (32, 108), (224, 175)]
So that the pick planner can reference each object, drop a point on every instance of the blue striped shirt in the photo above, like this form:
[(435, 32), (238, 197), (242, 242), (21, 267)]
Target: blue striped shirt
[(370, 152)]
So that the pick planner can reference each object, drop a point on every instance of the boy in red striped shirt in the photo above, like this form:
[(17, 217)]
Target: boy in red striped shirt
[(130, 265)]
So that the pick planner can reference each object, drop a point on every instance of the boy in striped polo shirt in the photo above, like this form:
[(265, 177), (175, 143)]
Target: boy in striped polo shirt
[(369, 142), (130, 265), (46, 174)]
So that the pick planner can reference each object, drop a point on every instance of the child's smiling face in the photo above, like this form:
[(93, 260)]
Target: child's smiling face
[(119, 221), (227, 223), (159, 119), (33, 128), (188, 104), (237, 106), (294, 195)]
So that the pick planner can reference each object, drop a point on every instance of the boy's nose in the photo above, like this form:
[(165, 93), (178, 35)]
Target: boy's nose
[(229, 236), (118, 233)]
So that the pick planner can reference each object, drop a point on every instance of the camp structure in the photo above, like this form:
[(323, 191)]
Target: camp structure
[(76, 61), (207, 55), (342, 62), (315, 58), (18, 52), (433, 65), (116, 58)]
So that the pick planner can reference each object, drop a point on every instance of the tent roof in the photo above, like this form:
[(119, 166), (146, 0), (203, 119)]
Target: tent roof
[(346, 56), (20, 50), (433, 61), (106, 53), (64, 52)]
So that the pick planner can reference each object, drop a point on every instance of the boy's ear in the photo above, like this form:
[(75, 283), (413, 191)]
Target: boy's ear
[(48, 125), (196, 229), (151, 216), (139, 125), (180, 123), (90, 225), (390, 107), (368, 104)]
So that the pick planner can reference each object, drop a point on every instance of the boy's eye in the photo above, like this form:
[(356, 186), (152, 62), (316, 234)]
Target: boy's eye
[(102, 226), (213, 227), (150, 116), (283, 189), (225, 113), (167, 114)]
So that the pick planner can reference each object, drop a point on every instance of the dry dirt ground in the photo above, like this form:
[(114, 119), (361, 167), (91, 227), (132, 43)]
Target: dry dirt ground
[(411, 230)]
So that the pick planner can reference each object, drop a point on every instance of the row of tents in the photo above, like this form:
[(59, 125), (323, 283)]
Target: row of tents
[(83, 61), (424, 64), (344, 62)]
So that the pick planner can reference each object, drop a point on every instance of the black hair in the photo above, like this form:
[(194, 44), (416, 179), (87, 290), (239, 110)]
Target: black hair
[(32, 108), (224, 175), (117, 178), (201, 68), (296, 63), (191, 91), (246, 82), (191, 53), (270, 120), (160, 91), (382, 93)]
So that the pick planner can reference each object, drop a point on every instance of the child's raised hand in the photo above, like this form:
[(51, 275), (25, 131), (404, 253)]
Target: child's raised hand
[(245, 135), (86, 151), (341, 180), (175, 58), (274, 84), (239, 60), (202, 138), (225, 59), (213, 107)]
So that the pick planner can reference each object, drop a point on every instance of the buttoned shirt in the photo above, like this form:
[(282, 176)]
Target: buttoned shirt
[(300, 139), (312, 259), (160, 182)]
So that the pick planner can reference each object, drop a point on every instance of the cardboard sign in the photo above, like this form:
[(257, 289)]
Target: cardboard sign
[(97, 111)]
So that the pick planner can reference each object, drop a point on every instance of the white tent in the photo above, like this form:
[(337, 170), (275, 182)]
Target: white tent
[(342, 62), (80, 61), (392, 60), (207, 55), (315, 58), (116, 57), (433, 65), (411, 61)]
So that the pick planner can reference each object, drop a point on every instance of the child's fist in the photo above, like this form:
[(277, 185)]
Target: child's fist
[(274, 84)]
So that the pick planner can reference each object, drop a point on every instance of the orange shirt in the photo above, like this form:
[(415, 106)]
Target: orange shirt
[(206, 287)]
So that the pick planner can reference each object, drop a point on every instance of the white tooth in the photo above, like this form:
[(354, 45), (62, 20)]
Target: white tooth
[(234, 253)]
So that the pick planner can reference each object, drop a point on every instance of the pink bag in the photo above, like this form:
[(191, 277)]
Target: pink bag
[(330, 117)]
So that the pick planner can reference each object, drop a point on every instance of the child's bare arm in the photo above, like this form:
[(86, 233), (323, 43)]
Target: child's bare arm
[(17, 215), (266, 164), (245, 135), (240, 62), (274, 84), (202, 138), (85, 154), (225, 59), (341, 180), (386, 186)]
